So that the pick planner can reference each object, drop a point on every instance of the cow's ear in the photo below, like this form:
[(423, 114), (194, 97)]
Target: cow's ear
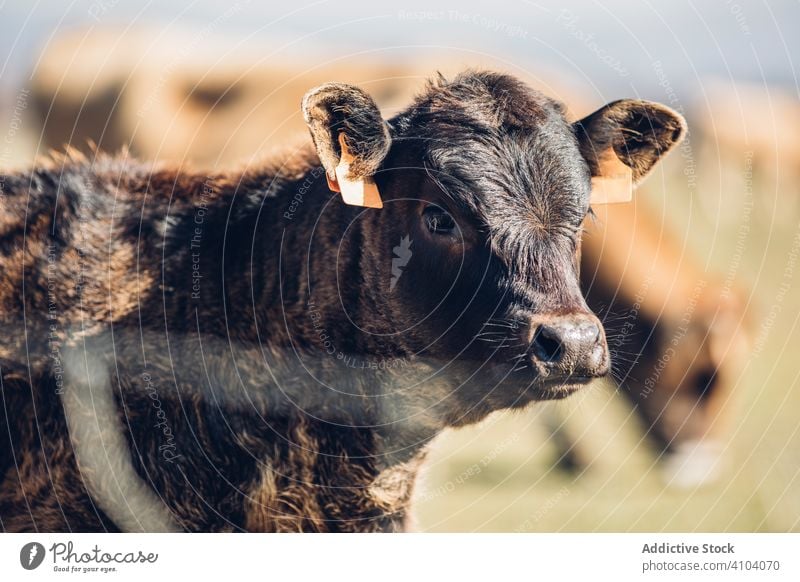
[(351, 137), (637, 133)]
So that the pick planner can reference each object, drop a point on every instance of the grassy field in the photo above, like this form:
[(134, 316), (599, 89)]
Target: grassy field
[(503, 475)]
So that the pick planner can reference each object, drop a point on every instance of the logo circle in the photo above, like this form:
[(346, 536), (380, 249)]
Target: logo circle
[(31, 555)]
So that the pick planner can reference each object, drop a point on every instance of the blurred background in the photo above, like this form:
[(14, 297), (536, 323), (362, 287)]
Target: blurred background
[(696, 281)]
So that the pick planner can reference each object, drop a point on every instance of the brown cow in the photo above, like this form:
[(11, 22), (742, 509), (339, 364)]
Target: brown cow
[(680, 336)]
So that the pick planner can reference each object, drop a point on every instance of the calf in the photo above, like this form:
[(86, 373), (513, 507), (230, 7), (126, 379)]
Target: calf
[(243, 351)]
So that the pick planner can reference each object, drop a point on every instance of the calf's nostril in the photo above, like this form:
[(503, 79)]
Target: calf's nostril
[(547, 344)]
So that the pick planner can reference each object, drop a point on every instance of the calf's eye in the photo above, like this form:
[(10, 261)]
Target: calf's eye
[(438, 220)]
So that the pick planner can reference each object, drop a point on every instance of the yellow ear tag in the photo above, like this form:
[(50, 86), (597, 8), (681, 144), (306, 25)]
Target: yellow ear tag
[(615, 182), (354, 192)]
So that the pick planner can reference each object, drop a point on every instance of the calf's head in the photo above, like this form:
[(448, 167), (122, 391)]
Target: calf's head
[(473, 259)]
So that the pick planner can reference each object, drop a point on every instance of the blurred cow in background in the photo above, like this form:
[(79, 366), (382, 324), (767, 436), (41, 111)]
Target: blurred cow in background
[(679, 336)]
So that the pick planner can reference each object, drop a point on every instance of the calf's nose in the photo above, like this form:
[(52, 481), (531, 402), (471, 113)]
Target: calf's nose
[(571, 345)]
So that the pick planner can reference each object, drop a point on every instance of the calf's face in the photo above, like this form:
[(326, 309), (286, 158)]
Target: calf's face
[(485, 185)]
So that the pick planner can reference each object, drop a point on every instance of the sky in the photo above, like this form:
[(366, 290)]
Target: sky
[(621, 46)]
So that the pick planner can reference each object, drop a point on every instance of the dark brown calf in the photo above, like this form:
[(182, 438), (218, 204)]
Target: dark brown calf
[(242, 351)]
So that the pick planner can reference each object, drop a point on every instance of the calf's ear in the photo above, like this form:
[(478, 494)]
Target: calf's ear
[(630, 135), (351, 138)]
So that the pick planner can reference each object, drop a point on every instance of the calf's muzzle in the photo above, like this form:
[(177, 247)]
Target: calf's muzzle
[(570, 347)]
